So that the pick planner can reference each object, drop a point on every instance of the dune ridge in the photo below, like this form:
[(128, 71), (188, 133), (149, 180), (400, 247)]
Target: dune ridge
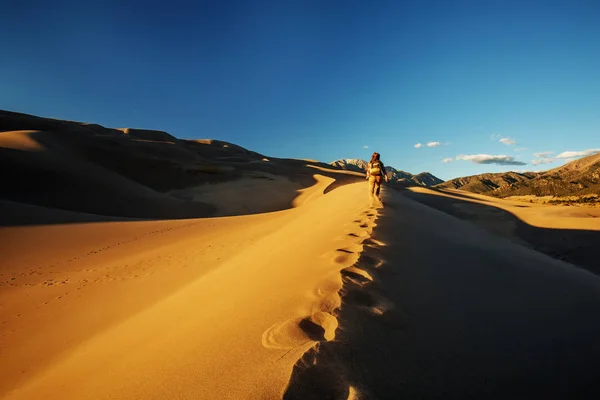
[(443, 309), (154, 335), (323, 372), (140, 173)]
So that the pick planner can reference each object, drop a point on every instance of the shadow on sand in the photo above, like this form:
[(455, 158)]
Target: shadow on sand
[(575, 246), (74, 175), (455, 313)]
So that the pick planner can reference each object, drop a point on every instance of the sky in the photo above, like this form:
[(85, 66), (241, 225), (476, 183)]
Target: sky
[(454, 88)]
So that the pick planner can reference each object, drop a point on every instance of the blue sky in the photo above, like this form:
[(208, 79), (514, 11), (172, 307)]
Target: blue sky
[(321, 79)]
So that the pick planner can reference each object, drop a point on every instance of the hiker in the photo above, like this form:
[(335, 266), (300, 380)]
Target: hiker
[(375, 174)]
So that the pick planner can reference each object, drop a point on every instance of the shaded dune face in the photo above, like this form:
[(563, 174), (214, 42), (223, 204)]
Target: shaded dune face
[(136, 173), (60, 175), (568, 233)]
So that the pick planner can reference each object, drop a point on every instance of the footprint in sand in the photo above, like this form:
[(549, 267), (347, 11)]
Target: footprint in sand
[(319, 327), (312, 330), (378, 306), (370, 222), (373, 242), (345, 251), (368, 262), (346, 255), (315, 380), (356, 275)]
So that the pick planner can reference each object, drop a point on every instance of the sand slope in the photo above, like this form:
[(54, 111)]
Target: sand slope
[(568, 233), (539, 215), (331, 299), (170, 308), (441, 309), (142, 174)]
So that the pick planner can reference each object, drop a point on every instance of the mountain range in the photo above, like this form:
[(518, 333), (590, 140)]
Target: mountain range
[(577, 178), (395, 175)]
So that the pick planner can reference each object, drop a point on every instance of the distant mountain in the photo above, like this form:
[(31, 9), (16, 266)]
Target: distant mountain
[(577, 178), (350, 164), (427, 179), (395, 175), (486, 183)]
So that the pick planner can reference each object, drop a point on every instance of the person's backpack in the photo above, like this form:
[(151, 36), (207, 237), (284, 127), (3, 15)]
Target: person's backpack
[(375, 168)]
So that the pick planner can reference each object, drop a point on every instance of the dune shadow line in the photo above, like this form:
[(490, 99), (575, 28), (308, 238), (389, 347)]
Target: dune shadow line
[(576, 246)]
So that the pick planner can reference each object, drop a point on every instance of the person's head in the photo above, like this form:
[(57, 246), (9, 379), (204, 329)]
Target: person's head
[(375, 157)]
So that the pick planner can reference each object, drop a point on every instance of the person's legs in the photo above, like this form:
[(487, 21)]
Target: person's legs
[(378, 180), (371, 187)]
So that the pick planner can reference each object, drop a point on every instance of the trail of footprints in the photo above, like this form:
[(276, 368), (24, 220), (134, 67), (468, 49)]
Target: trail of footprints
[(37, 270), (358, 269), (12, 279)]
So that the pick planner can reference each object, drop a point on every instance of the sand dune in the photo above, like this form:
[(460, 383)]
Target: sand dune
[(142, 174), (540, 215), (331, 299), (136, 265), (49, 172), (569, 233), (450, 311), (147, 303)]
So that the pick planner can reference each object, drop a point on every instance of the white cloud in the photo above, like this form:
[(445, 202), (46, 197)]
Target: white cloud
[(507, 141), (490, 159), (543, 154), (429, 144), (446, 160), (494, 137), (542, 161), (365, 147), (572, 154)]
